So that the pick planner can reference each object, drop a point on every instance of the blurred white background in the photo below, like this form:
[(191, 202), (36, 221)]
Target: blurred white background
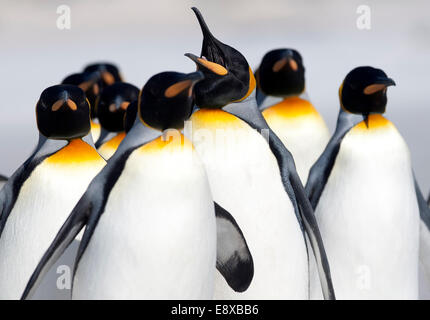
[(146, 37)]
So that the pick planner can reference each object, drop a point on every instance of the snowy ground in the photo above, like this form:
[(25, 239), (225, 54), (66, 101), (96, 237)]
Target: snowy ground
[(145, 37)]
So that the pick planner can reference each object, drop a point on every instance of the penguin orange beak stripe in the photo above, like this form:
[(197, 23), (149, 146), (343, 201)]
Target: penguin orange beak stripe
[(59, 103), (212, 66), (378, 85), (188, 83), (371, 89), (176, 88)]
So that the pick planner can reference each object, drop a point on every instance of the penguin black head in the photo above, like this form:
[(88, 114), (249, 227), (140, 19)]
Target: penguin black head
[(166, 100), (130, 116), (228, 77), (108, 73), (63, 112), (281, 73), (87, 81), (364, 91), (113, 102)]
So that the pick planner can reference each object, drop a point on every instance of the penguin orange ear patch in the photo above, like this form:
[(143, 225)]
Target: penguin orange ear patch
[(108, 78), (214, 67), (293, 65), (371, 89), (283, 62), (176, 88), (124, 105), (279, 65), (59, 103), (85, 85)]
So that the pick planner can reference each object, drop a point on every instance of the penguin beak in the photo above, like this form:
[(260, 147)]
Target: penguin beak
[(64, 103), (212, 48), (195, 76), (187, 82), (207, 66), (379, 84)]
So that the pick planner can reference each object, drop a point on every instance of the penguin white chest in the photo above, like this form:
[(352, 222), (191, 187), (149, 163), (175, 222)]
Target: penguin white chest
[(44, 202), (368, 216), (244, 178), (157, 236)]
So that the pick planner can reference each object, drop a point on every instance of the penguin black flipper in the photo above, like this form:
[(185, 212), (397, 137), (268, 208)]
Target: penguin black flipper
[(10, 191), (234, 260), (321, 169), (248, 112), (424, 239), (3, 178)]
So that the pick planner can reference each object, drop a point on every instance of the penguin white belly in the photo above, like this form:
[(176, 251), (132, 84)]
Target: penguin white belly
[(157, 236), (45, 200), (301, 129), (244, 178), (368, 216)]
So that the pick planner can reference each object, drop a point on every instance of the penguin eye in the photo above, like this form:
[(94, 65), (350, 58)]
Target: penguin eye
[(176, 88), (212, 66), (371, 89)]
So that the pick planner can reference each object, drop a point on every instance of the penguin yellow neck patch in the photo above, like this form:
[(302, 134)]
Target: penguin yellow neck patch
[(95, 126), (214, 119), (375, 122), (114, 142), (291, 107), (252, 84), (77, 151), (170, 141)]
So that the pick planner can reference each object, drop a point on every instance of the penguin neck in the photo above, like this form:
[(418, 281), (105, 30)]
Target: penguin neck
[(247, 110), (138, 135)]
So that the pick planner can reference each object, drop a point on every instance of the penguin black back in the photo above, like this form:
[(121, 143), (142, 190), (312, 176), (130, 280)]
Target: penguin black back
[(113, 102), (63, 112), (281, 73)]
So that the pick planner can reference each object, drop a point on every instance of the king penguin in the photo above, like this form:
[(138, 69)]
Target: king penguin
[(365, 197), (252, 175), (88, 82), (39, 196), (152, 228), (281, 75), (111, 108)]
